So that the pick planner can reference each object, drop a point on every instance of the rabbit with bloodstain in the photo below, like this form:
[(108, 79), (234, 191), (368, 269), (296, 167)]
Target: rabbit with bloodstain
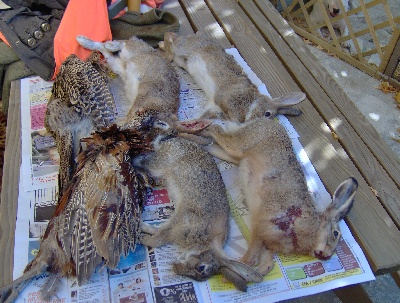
[(284, 218), (230, 93)]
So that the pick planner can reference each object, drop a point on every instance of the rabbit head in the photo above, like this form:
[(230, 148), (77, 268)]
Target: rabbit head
[(203, 265), (329, 234), (199, 265), (300, 229), (269, 108)]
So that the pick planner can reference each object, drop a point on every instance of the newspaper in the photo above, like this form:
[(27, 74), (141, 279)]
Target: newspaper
[(40, 160), (146, 275)]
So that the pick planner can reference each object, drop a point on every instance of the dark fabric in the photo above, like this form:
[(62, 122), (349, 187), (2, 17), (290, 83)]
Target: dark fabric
[(19, 26), (14, 71), (150, 26), (7, 57), (38, 4)]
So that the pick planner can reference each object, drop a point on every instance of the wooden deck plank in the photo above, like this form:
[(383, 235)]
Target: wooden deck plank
[(368, 220), (357, 148), (347, 294), (201, 18), (9, 194), (174, 7), (366, 131)]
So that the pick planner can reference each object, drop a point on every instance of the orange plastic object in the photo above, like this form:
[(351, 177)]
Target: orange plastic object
[(88, 18)]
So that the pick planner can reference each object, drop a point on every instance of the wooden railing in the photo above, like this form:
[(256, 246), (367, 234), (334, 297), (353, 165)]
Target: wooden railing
[(381, 47)]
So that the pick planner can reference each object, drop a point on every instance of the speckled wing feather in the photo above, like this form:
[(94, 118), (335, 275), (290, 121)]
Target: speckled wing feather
[(105, 201), (97, 217), (80, 103), (83, 87)]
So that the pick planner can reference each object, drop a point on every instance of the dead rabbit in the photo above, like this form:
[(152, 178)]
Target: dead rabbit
[(283, 215), (230, 93), (200, 222)]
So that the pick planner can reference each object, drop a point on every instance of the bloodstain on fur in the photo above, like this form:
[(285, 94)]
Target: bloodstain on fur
[(286, 223)]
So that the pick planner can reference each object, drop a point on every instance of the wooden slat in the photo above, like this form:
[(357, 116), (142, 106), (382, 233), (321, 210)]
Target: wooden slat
[(307, 17), (201, 18), (377, 161), (370, 52), (376, 27), (351, 31), (9, 194), (368, 219), (389, 14), (390, 56), (354, 11), (174, 7), (360, 65), (299, 11), (371, 28), (328, 23), (348, 294)]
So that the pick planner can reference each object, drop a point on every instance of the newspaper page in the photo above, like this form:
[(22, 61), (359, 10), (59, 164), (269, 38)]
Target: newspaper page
[(40, 160), (146, 275)]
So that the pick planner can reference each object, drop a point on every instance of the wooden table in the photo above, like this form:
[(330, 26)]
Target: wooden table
[(338, 139)]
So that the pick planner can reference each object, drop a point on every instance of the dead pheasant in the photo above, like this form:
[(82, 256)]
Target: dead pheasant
[(80, 103), (97, 218)]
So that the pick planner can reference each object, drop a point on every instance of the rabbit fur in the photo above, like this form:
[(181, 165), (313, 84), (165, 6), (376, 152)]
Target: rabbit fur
[(200, 223), (230, 93), (283, 215), (150, 81)]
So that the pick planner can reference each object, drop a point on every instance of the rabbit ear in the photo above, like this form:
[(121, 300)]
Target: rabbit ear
[(237, 280), (170, 36), (87, 43), (239, 269), (285, 102), (343, 198), (113, 46), (192, 126)]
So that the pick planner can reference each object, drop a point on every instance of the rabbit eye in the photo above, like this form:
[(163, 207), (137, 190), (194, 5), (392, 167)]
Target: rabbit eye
[(116, 53), (200, 268), (161, 124), (267, 114), (335, 233)]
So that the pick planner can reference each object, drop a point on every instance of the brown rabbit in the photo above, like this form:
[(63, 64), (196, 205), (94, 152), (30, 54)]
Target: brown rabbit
[(200, 222), (283, 215), (231, 94), (150, 81)]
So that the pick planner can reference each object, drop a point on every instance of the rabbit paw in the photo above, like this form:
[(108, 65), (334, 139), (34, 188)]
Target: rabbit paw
[(147, 228), (266, 262), (147, 240)]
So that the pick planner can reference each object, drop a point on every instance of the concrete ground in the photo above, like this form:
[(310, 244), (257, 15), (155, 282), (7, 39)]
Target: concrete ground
[(378, 107), (382, 111)]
